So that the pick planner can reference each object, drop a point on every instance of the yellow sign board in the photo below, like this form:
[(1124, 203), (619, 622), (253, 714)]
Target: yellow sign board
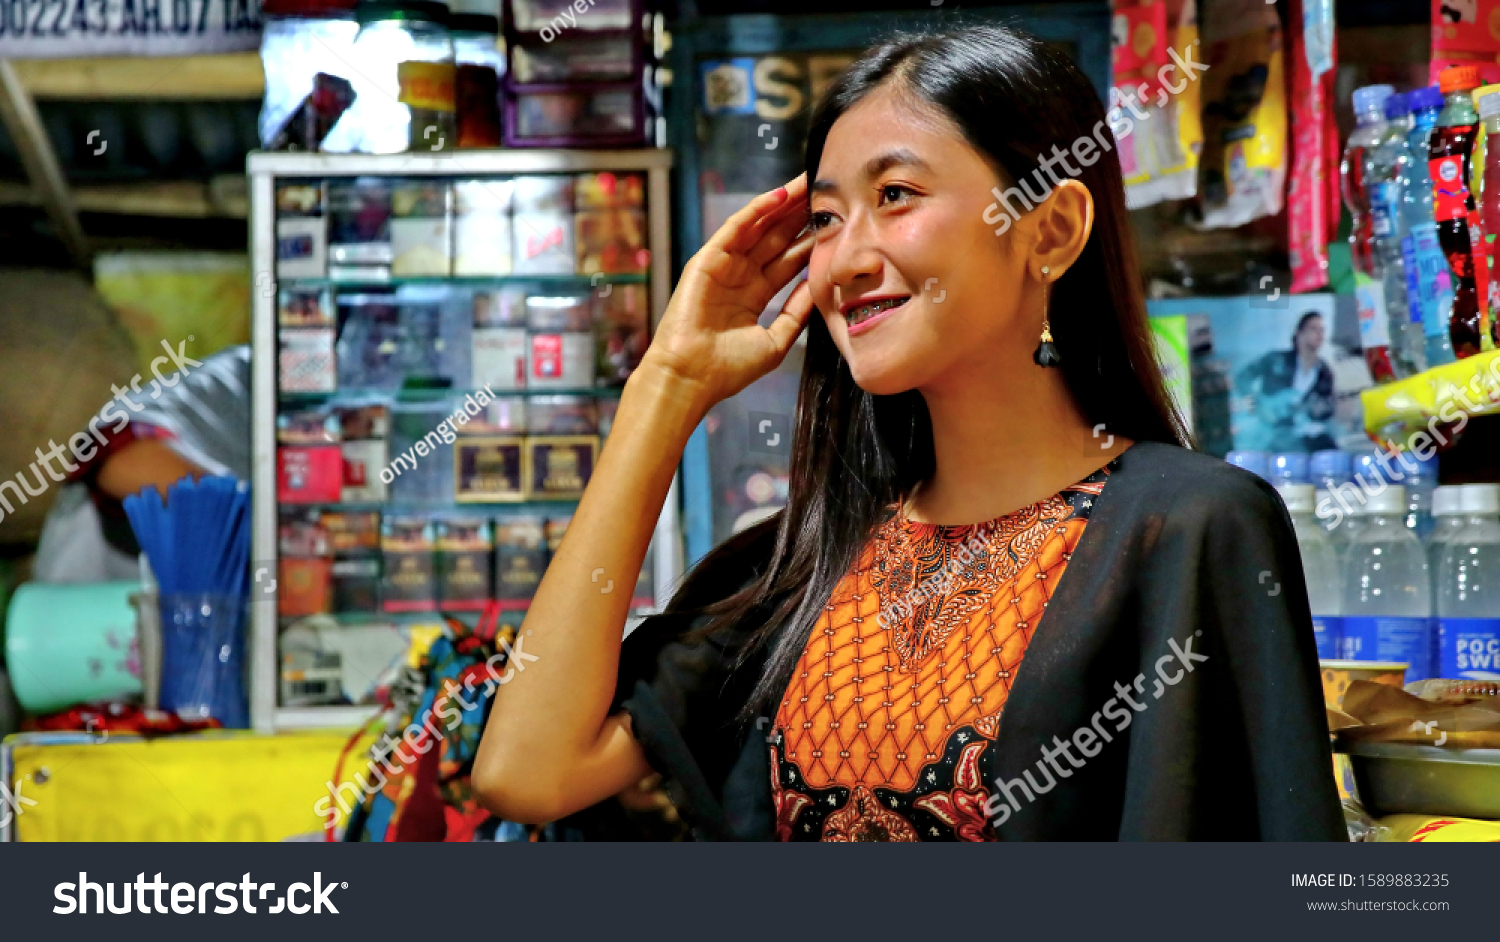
[(218, 786)]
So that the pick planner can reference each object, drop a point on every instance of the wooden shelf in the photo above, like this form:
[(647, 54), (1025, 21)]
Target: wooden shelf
[(222, 197), (177, 78)]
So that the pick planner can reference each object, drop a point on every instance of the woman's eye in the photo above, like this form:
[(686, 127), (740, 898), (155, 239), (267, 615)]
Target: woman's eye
[(819, 220), (893, 193)]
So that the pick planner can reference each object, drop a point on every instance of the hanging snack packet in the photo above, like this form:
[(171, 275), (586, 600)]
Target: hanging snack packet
[(1243, 172), (1314, 173), (1157, 79)]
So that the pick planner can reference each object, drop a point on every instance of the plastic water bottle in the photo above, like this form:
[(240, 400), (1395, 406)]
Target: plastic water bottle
[(1447, 520), (1320, 566), (1387, 225), (1369, 290), (1328, 470), (1257, 463), (1429, 287), (1289, 467), (1419, 486), (1468, 598), (1387, 594)]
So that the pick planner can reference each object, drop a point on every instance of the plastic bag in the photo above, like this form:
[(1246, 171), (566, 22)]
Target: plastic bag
[(1158, 150), (1243, 169)]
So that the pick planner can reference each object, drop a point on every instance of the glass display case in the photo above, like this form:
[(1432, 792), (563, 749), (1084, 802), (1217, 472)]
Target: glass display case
[(439, 343)]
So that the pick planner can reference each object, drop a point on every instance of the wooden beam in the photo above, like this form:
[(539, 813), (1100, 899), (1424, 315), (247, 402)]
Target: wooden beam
[(18, 112), (225, 197), (178, 78)]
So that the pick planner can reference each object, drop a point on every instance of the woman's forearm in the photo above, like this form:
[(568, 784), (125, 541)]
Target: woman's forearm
[(548, 729)]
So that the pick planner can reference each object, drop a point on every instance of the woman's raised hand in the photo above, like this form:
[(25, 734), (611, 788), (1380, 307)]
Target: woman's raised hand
[(709, 335)]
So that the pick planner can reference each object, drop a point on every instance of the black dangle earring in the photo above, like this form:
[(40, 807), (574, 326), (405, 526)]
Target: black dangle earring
[(1046, 352)]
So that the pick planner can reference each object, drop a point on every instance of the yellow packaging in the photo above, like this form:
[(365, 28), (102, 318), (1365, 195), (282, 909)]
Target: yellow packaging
[(1429, 829), (1433, 400), (1243, 173)]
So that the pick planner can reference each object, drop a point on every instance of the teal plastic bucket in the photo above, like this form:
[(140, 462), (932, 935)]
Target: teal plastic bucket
[(72, 643)]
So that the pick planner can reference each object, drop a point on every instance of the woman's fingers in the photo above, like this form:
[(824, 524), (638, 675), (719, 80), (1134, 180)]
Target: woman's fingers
[(742, 230), (775, 237), (792, 259), (793, 317)]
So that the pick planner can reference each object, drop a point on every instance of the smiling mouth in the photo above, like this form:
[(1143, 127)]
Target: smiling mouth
[(858, 315)]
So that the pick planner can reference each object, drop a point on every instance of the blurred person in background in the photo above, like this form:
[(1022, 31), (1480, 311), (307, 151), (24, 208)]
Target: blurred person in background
[(198, 425)]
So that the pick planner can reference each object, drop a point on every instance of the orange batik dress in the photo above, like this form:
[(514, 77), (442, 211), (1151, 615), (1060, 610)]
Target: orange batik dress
[(886, 730)]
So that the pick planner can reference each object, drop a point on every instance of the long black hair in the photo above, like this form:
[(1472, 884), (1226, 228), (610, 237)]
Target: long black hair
[(854, 455)]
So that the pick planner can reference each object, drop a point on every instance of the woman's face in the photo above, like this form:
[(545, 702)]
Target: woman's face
[(898, 205), (1310, 337)]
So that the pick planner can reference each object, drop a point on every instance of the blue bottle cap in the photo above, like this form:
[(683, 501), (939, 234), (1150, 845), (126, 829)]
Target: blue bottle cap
[(1330, 463), (1256, 462), (1397, 106), (1369, 102), (1289, 467), (1425, 99)]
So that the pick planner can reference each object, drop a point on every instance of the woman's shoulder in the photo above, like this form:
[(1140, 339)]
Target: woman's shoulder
[(1159, 479)]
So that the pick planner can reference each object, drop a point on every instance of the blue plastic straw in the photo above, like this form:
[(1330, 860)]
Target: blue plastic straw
[(199, 541)]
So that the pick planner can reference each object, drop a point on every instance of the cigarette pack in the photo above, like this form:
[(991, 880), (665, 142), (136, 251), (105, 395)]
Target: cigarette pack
[(489, 468), (408, 583), (560, 465), (520, 559), (464, 564)]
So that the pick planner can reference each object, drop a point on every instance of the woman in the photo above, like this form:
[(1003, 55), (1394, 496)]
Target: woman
[(873, 662), (1292, 391)]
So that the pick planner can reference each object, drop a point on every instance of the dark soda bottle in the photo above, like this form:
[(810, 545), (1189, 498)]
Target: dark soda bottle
[(1451, 147)]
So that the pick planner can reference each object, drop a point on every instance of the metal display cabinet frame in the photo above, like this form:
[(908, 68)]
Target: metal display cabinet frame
[(264, 169), (1085, 25)]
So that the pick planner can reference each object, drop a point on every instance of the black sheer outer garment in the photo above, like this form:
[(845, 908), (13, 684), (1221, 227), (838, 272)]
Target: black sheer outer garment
[(1184, 598)]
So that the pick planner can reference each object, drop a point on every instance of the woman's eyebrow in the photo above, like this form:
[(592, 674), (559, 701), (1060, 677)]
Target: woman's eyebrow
[(875, 166)]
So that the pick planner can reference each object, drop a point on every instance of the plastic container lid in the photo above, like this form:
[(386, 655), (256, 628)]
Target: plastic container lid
[(1480, 498), (1392, 500), (1256, 462), (1369, 102), (1446, 501), (1330, 463), (1397, 106), (1458, 78), (1425, 99), (375, 11), (1289, 467), (1297, 497)]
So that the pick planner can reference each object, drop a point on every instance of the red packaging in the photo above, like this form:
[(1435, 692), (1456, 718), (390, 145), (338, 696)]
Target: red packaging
[(309, 474), (1139, 44), (1313, 188), (1466, 26)]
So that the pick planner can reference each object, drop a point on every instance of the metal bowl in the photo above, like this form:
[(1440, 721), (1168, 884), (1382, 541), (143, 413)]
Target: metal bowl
[(1404, 778)]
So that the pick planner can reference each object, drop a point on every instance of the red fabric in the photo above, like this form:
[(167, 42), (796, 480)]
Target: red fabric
[(118, 717)]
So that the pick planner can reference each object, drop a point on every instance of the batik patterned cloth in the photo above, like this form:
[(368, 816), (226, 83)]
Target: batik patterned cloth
[(885, 732)]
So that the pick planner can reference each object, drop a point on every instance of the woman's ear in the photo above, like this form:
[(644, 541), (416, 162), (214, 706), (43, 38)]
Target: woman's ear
[(1063, 223)]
